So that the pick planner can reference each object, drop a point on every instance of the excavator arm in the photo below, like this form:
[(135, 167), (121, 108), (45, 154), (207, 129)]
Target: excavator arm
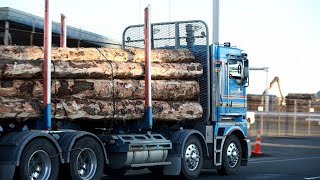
[(276, 80)]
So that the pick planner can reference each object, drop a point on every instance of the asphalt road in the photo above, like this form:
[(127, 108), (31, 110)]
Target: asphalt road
[(284, 158)]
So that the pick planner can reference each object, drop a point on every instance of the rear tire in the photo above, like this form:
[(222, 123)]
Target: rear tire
[(231, 156), (86, 160), (192, 158), (39, 160)]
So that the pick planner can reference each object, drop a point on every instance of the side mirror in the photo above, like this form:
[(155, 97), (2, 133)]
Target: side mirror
[(245, 75)]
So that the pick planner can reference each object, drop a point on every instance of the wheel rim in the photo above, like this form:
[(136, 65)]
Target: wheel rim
[(86, 163), (39, 165), (233, 155), (192, 157)]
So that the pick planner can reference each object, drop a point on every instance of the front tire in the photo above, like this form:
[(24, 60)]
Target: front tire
[(231, 156), (192, 160), (86, 160), (39, 160)]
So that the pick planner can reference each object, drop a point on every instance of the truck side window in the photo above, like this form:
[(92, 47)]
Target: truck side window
[(235, 70)]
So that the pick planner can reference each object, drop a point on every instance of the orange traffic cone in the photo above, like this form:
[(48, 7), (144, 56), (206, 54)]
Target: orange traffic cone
[(257, 146)]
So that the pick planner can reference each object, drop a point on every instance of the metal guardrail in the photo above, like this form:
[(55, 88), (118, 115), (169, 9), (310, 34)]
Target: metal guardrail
[(286, 124)]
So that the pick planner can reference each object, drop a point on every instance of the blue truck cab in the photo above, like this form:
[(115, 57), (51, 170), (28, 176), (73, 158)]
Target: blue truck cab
[(231, 75), (230, 71)]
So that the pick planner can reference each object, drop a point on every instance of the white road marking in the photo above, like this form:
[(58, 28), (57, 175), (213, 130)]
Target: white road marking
[(309, 178), (283, 160)]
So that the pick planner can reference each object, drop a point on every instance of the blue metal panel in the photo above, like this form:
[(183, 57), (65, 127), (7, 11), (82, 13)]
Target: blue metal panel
[(230, 97), (227, 89), (47, 116), (149, 117)]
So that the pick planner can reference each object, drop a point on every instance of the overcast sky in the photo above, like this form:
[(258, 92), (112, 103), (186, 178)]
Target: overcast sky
[(282, 35)]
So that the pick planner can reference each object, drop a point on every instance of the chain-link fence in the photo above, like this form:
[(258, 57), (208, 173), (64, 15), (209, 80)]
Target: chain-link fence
[(293, 117)]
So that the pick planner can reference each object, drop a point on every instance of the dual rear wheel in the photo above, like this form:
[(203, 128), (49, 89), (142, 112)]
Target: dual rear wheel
[(86, 160), (40, 161)]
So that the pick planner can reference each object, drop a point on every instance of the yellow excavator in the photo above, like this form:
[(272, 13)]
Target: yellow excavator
[(276, 80)]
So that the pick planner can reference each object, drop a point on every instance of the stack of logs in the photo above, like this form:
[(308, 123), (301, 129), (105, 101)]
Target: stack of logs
[(255, 101), (99, 84), (300, 102)]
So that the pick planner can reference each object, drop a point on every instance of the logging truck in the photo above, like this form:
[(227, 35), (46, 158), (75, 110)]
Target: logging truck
[(212, 134)]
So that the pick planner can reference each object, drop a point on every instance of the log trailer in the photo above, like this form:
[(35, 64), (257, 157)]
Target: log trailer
[(218, 140)]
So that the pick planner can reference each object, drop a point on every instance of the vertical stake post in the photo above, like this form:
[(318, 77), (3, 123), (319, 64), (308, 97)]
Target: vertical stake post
[(6, 33), (47, 67), (63, 32), (148, 95)]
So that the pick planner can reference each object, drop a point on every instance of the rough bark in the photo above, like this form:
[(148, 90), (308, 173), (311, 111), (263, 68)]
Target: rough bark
[(22, 69), (18, 109), (164, 55), (112, 54), (102, 89), (76, 109)]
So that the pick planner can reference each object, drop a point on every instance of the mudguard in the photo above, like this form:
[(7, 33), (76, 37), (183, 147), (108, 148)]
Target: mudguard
[(178, 139), (12, 146), (67, 140)]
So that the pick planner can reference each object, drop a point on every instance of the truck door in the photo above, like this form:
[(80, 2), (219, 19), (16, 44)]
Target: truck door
[(237, 81)]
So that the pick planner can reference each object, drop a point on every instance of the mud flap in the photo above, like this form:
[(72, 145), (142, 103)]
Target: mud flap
[(7, 171), (174, 168)]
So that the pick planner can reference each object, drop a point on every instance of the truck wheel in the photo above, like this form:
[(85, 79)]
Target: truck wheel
[(192, 158), (231, 156), (39, 160), (86, 160)]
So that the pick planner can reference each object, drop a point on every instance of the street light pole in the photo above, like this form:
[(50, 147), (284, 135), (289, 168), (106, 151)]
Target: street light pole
[(215, 22)]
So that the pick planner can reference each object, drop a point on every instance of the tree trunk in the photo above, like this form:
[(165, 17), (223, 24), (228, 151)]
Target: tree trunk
[(102, 89), (97, 70), (112, 54), (77, 109)]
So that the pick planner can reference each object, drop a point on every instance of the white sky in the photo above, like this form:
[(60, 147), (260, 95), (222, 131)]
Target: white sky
[(282, 35)]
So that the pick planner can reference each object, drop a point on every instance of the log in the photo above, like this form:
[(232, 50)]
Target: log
[(14, 108), (164, 55), (112, 54), (102, 89), (300, 96), (80, 109), (22, 69)]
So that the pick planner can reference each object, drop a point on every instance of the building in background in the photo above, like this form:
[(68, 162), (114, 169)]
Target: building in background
[(27, 29)]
